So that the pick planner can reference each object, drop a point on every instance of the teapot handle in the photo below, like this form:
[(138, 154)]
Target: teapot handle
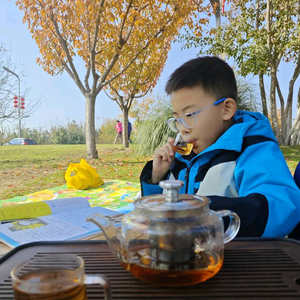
[(234, 224)]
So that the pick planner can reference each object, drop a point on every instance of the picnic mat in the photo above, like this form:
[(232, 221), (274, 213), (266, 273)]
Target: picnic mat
[(117, 195)]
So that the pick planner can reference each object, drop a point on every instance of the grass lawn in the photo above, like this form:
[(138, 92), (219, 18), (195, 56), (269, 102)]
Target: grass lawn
[(292, 156), (28, 169)]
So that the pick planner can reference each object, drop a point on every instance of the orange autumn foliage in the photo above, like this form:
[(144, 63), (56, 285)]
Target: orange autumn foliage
[(109, 37)]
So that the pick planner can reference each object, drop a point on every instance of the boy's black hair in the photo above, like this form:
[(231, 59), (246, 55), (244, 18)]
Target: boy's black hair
[(211, 73)]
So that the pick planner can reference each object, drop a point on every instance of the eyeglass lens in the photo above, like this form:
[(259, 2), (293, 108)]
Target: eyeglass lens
[(188, 121)]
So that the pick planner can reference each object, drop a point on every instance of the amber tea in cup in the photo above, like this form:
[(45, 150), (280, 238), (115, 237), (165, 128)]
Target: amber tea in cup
[(54, 277), (181, 146)]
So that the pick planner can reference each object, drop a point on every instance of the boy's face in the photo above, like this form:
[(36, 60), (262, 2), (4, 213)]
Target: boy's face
[(211, 123)]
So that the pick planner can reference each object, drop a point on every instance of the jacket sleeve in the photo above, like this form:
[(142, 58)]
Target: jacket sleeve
[(252, 210), (148, 188), (269, 200)]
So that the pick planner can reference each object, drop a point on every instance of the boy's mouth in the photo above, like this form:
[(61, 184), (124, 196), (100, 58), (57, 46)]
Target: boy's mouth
[(192, 142)]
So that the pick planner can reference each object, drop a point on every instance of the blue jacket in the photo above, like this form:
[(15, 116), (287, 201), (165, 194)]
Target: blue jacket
[(129, 127), (244, 171)]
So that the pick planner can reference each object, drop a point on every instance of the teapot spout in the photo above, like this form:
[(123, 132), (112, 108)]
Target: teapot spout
[(111, 233)]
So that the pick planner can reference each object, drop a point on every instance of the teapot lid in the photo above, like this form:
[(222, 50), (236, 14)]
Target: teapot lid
[(171, 204)]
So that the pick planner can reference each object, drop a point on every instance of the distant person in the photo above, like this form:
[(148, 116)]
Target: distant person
[(129, 131), (119, 129)]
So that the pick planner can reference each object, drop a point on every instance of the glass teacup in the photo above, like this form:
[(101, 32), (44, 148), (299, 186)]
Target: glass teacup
[(53, 277), (181, 146)]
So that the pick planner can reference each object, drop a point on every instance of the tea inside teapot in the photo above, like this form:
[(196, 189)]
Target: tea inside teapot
[(147, 268), (170, 239)]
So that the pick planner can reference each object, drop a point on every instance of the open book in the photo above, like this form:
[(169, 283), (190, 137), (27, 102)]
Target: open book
[(41, 208), (52, 220)]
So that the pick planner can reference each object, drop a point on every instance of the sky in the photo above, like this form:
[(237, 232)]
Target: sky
[(61, 100)]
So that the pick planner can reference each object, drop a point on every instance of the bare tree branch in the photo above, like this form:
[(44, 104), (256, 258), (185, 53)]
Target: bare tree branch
[(110, 97)]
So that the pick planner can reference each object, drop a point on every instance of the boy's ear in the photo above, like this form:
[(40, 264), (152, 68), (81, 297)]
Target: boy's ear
[(229, 109)]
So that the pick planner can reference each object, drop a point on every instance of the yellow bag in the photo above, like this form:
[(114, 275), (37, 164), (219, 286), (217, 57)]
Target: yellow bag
[(82, 176)]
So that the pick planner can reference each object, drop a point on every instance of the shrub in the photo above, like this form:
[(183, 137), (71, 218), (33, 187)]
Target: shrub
[(154, 131)]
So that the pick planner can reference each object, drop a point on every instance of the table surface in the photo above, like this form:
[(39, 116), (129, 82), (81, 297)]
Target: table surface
[(265, 269), (5, 249)]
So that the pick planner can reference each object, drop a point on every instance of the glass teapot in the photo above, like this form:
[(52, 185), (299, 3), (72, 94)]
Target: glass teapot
[(170, 239)]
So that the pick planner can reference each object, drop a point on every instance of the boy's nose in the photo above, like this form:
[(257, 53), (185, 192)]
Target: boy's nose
[(184, 130)]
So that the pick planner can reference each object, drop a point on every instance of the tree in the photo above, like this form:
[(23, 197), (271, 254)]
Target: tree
[(72, 133), (76, 134), (139, 79), (140, 109), (6, 86), (8, 89), (100, 33), (261, 35), (58, 135), (107, 131)]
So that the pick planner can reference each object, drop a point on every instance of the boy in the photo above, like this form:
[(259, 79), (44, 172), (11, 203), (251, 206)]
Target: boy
[(235, 161)]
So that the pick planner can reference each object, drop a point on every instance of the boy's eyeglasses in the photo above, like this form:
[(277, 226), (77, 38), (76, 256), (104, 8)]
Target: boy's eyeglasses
[(189, 120)]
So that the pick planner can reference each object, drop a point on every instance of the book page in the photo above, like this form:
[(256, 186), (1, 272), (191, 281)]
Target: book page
[(25, 210), (60, 205), (58, 227), (41, 208)]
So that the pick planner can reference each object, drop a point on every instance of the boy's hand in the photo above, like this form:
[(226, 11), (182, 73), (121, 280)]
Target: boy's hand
[(162, 160)]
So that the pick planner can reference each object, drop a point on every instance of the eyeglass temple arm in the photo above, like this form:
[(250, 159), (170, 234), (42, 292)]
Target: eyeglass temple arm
[(220, 100)]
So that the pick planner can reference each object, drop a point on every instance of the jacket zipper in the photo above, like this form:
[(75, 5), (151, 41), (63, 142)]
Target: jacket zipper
[(187, 174), (186, 180)]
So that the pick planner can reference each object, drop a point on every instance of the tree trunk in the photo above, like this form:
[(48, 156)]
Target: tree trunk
[(282, 114), (288, 125), (295, 128), (294, 140), (273, 107), (298, 137), (261, 75), (125, 127), (272, 64), (263, 95), (90, 126)]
